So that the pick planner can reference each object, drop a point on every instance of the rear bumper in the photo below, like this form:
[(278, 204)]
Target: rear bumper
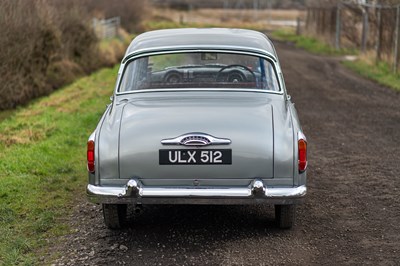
[(135, 193)]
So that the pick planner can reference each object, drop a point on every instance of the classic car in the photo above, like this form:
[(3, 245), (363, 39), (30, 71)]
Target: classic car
[(198, 116)]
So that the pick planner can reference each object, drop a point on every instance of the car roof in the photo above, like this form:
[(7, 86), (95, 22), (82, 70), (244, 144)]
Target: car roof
[(210, 38)]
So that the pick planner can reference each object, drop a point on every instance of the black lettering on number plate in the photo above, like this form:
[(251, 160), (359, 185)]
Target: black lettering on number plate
[(199, 156)]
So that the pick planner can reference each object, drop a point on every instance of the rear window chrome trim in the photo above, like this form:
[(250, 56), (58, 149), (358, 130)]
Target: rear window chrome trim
[(200, 89)]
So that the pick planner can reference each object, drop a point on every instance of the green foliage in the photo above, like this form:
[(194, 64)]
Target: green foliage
[(160, 62), (42, 164), (382, 72), (308, 43)]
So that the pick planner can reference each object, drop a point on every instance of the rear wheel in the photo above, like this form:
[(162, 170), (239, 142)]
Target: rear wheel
[(285, 215), (114, 215)]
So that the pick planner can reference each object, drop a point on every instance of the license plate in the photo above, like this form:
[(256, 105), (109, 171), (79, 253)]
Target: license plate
[(185, 157)]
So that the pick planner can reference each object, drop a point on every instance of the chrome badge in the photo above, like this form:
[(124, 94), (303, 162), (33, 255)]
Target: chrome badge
[(196, 139)]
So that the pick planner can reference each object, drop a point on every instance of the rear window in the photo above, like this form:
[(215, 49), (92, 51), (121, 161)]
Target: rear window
[(199, 70)]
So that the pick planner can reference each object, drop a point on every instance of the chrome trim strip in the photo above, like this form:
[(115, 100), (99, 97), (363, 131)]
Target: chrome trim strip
[(300, 135), (196, 139), (199, 89)]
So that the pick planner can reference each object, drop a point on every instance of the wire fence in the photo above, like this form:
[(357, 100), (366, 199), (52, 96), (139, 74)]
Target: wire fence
[(106, 28), (368, 28)]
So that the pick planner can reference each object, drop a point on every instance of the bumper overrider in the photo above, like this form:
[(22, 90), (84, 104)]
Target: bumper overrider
[(135, 193)]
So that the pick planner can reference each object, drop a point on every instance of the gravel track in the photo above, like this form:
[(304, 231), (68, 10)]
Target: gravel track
[(352, 211)]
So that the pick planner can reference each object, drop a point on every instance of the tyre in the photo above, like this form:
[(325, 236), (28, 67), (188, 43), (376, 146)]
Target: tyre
[(285, 216), (114, 215)]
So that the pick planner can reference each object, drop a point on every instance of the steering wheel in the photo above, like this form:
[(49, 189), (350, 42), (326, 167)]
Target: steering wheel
[(234, 76)]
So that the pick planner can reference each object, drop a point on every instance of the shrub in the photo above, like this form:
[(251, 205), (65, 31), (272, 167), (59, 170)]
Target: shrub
[(36, 38), (48, 43)]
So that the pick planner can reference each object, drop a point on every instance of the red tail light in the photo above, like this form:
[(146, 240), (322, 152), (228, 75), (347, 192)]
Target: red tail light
[(302, 144), (90, 156)]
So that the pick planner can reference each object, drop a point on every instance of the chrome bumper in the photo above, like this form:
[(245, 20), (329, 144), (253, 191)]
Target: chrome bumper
[(135, 193)]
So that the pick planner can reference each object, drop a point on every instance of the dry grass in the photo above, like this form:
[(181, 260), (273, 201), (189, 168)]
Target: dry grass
[(46, 44), (113, 50), (38, 38), (227, 18)]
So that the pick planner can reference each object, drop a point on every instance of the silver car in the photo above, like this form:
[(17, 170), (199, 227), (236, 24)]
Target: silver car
[(198, 116)]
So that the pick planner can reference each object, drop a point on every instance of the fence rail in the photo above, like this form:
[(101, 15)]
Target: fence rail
[(365, 27), (106, 28)]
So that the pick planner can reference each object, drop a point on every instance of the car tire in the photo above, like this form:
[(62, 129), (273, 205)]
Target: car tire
[(114, 215), (285, 216)]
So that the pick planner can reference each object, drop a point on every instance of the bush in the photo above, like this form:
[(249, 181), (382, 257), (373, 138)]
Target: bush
[(48, 43), (37, 37), (24, 37)]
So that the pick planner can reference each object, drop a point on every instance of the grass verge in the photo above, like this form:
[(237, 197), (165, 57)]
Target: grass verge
[(308, 43), (42, 164), (380, 72)]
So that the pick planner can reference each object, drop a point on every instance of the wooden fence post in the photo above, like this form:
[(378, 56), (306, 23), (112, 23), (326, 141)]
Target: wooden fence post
[(321, 21), (255, 9), (365, 29), (379, 36), (396, 40), (298, 26), (338, 27)]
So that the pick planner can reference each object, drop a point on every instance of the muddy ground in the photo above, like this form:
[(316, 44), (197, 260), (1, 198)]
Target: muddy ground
[(352, 211)]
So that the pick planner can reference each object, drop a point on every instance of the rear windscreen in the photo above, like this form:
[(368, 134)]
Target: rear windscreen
[(199, 70)]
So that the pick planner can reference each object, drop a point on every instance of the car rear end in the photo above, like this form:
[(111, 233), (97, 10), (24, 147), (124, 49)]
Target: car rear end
[(227, 136), (198, 148)]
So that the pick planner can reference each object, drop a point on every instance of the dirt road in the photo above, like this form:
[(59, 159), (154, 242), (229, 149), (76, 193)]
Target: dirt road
[(352, 212)]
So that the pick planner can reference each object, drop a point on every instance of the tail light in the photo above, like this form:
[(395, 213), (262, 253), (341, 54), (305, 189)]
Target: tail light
[(302, 146), (90, 156)]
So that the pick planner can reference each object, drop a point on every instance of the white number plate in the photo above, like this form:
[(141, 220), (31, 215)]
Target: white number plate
[(223, 156)]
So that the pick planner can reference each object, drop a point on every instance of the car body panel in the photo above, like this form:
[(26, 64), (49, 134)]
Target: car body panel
[(247, 123)]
